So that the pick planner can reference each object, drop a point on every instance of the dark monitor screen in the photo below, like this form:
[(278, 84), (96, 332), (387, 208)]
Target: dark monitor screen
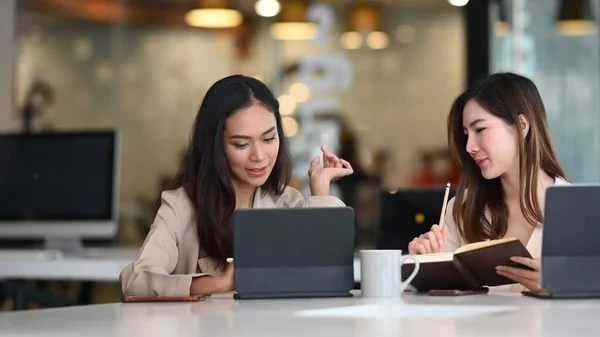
[(57, 176), (406, 214)]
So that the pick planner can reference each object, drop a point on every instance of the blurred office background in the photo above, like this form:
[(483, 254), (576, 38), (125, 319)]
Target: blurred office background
[(373, 81)]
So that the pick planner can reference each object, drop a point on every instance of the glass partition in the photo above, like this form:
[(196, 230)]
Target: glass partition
[(563, 61)]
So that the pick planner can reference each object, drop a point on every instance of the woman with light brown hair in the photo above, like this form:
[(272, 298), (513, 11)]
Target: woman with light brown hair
[(499, 137)]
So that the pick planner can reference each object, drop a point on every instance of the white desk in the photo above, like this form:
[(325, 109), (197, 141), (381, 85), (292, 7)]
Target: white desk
[(103, 265), (94, 265), (481, 315)]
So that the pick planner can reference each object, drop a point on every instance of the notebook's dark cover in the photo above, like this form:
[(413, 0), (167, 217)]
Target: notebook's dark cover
[(482, 262), (468, 270), (437, 275)]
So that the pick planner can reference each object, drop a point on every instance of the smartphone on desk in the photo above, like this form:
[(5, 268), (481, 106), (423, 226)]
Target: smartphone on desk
[(136, 299)]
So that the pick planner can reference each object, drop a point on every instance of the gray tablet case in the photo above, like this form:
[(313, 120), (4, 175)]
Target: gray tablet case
[(293, 252), (570, 249)]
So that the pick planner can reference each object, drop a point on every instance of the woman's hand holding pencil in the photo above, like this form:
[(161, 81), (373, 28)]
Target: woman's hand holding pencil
[(430, 242), (434, 240)]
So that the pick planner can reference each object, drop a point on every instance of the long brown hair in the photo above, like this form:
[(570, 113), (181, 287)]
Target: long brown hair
[(204, 172), (506, 96)]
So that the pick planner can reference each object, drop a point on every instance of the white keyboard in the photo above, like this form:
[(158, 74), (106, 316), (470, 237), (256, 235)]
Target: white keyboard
[(29, 254), (128, 253), (116, 253)]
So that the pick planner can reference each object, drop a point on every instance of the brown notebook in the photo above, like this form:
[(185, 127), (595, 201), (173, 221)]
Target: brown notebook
[(472, 266)]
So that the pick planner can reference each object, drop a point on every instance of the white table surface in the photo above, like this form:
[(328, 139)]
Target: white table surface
[(94, 264), (102, 265), (413, 315)]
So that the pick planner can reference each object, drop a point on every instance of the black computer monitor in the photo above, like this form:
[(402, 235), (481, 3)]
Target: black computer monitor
[(408, 213), (59, 186)]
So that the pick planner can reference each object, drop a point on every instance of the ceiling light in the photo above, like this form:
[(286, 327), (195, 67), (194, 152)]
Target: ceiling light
[(290, 126), (364, 19), (267, 8), (458, 3), (292, 24), (378, 40), (575, 18), (299, 91), (213, 14), (287, 105), (501, 27), (351, 40), (293, 30)]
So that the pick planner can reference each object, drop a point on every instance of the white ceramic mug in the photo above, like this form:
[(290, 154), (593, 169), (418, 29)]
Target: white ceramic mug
[(381, 273)]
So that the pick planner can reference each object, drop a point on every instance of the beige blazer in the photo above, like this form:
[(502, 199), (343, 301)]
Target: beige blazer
[(454, 240), (171, 254)]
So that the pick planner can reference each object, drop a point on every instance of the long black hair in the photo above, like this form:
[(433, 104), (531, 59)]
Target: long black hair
[(506, 96), (204, 172)]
